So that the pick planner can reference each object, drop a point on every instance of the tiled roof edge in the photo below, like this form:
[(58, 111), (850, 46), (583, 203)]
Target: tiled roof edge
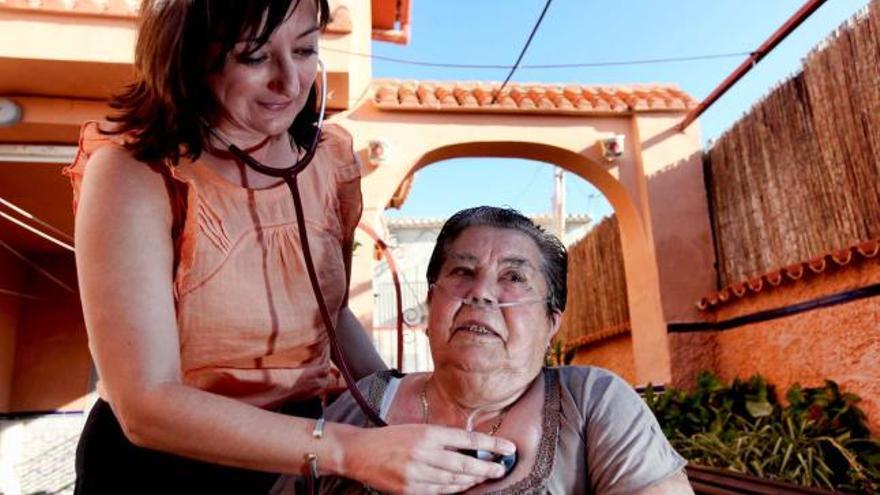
[(593, 337), (538, 98), (774, 278)]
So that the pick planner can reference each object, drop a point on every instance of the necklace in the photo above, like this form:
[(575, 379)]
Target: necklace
[(426, 410)]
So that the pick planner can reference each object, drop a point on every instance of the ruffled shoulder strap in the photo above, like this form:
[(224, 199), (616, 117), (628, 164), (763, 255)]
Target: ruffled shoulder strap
[(90, 139), (346, 174), (93, 135), (338, 142)]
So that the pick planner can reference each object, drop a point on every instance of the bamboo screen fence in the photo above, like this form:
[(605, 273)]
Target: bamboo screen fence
[(597, 304), (799, 175)]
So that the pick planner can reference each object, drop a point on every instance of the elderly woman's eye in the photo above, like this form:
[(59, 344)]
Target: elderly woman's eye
[(515, 277), (461, 271)]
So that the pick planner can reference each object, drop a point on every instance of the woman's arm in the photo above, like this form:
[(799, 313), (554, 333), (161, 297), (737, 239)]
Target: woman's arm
[(675, 484), (626, 451), (125, 261), (360, 353), (125, 258)]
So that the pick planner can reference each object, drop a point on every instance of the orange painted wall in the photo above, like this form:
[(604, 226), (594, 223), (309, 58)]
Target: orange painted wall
[(11, 280), (841, 343), (614, 354), (52, 364), (692, 353)]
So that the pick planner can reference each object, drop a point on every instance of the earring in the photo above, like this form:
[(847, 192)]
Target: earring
[(548, 357)]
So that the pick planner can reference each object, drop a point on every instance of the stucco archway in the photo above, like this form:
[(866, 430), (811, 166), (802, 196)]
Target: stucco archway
[(422, 123), (650, 348)]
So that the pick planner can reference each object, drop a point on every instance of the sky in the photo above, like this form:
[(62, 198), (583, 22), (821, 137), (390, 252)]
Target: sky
[(581, 31)]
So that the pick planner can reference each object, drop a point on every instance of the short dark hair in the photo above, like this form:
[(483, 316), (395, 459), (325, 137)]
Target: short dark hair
[(554, 263), (161, 112)]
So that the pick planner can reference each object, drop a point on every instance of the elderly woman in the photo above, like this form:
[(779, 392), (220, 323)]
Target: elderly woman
[(211, 350), (497, 293)]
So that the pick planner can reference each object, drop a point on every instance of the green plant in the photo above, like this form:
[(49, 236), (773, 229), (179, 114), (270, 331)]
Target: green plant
[(819, 439)]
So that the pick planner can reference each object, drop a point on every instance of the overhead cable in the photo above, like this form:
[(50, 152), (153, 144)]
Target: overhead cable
[(37, 231), (523, 52), (15, 293), (30, 216), (573, 65), (37, 267)]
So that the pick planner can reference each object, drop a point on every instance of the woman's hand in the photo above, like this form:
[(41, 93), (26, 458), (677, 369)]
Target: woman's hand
[(421, 458)]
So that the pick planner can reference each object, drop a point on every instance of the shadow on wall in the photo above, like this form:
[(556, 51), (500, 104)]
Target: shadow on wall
[(51, 367), (681, 224)]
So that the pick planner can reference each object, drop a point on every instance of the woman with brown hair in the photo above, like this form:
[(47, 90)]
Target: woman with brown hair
[(210, 347)]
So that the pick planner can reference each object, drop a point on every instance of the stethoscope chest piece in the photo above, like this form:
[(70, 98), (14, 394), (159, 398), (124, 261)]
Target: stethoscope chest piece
[(507, 461)]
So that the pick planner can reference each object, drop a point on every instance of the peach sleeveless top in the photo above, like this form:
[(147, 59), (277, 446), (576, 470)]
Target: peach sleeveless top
[(248, 322)]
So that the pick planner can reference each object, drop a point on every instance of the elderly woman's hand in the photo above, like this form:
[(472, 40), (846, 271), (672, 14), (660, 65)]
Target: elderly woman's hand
[(422, 458)]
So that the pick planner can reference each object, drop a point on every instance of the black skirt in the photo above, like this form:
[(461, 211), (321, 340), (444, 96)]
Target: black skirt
[(107, 462)]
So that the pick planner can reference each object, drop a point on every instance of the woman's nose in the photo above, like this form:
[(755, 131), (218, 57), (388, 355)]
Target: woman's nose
[(285, 80)]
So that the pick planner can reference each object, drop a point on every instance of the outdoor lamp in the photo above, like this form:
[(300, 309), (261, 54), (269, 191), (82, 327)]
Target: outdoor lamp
[(612, 148), (378, 152), (10, 113)]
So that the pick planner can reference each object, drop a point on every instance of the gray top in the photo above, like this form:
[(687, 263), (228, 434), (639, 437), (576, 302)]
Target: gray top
[(598, 437)]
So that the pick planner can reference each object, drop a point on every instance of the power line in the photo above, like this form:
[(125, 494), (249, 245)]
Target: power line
[(523, 52), (530, 182), (36, 231), (574, 65), (37, 267), (15, 293), (30, 216)]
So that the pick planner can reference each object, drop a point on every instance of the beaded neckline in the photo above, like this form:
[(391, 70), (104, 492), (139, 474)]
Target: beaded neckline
[(550, 426)]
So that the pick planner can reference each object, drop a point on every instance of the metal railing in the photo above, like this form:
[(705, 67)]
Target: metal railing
[(714, 481)]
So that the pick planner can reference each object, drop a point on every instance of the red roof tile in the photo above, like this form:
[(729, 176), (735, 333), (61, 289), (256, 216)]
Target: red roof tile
[(817, 266), (597, 336), (340, 22), (529, 98), (110, 8)]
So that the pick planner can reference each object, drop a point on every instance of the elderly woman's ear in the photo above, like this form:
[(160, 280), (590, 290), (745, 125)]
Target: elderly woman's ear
[(555, 324)]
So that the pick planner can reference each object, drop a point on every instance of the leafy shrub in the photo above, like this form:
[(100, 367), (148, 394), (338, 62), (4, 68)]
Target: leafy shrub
[(820, 439)]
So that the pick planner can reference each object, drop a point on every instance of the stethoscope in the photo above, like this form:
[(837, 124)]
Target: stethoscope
[(289, 175)]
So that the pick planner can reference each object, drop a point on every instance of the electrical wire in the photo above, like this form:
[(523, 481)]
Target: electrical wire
[(530, 182), (37, 267), (36, 231), (30, 216), (15, 293), (522, 53), (573, 65)]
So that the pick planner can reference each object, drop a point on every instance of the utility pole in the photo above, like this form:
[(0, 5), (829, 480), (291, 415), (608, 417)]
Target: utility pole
[(559, 204)]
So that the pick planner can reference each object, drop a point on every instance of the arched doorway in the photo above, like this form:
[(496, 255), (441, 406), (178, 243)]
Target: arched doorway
[(417, 131), (650, 347)]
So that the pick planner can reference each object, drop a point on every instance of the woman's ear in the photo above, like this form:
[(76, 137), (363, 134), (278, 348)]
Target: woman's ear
[(555, 324)]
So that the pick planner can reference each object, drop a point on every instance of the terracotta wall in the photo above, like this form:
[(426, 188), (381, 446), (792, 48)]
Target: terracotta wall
[(10, 280), (841, 343), (614, 354), (52, 365)]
